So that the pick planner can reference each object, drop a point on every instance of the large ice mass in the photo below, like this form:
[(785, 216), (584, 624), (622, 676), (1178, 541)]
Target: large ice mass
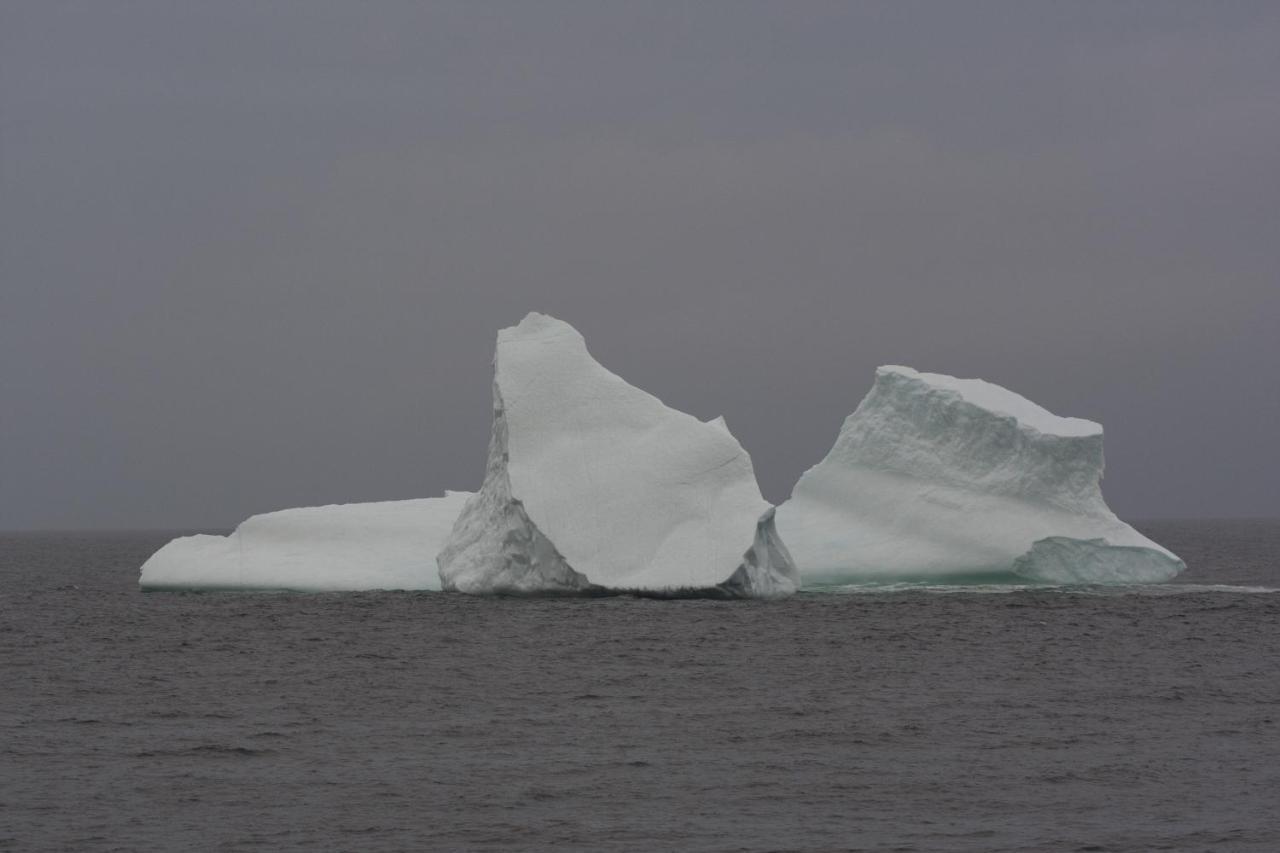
[(593, 484), (362, 546), (934, 477)]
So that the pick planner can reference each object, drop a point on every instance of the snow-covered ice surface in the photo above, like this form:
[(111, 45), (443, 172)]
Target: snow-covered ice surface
[(346, 547), (935, 478), (594, 485)]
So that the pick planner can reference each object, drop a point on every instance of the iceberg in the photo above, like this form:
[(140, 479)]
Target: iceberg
[(387, 545), (939, 478), (593, 485)]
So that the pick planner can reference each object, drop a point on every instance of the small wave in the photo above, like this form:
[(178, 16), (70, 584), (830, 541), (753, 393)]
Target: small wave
[(1185, 588), (1161, 589), (211, 749)]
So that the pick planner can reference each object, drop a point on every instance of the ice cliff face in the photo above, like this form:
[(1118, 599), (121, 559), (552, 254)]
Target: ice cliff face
[(385, 545), (934, 476), (593, 484)]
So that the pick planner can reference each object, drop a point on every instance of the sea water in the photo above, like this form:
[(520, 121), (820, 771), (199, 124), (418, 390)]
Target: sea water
[(964, 717)]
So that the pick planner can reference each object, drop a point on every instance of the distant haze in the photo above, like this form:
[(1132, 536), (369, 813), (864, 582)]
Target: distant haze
[(254, 255)]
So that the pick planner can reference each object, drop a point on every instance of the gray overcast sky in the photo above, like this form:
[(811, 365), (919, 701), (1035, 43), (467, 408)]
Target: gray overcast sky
[(254, 255)]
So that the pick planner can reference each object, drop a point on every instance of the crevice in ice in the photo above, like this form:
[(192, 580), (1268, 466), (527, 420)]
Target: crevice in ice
[(767, 570)]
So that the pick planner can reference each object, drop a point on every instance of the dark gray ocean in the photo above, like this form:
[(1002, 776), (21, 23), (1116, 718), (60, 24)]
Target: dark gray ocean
[(904, 719)]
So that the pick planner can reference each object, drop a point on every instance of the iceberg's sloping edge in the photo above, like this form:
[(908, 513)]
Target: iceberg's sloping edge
[(386, 545), (767, 570)]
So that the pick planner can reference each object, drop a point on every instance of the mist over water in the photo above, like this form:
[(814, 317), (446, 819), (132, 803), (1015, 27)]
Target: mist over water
[(1010, 719)]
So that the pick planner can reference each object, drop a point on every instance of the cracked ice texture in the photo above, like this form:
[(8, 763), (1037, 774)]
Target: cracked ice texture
[(938, 477), (594, 484), (344, 547)]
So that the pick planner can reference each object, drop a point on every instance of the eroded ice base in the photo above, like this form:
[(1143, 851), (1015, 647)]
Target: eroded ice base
[(1063, 560)]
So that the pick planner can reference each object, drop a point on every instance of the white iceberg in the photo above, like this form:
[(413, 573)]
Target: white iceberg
[(593, 485), (345, 547), (934, 477)]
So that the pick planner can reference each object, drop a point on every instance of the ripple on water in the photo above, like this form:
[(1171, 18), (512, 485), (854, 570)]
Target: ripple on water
[(944, 717)]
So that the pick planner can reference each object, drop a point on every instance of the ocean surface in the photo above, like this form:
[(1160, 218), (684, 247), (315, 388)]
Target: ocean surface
[(894, 719)]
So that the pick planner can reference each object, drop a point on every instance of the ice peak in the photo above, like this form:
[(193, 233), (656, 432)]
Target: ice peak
[(537, 326), (593, 483), (996, 399)]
